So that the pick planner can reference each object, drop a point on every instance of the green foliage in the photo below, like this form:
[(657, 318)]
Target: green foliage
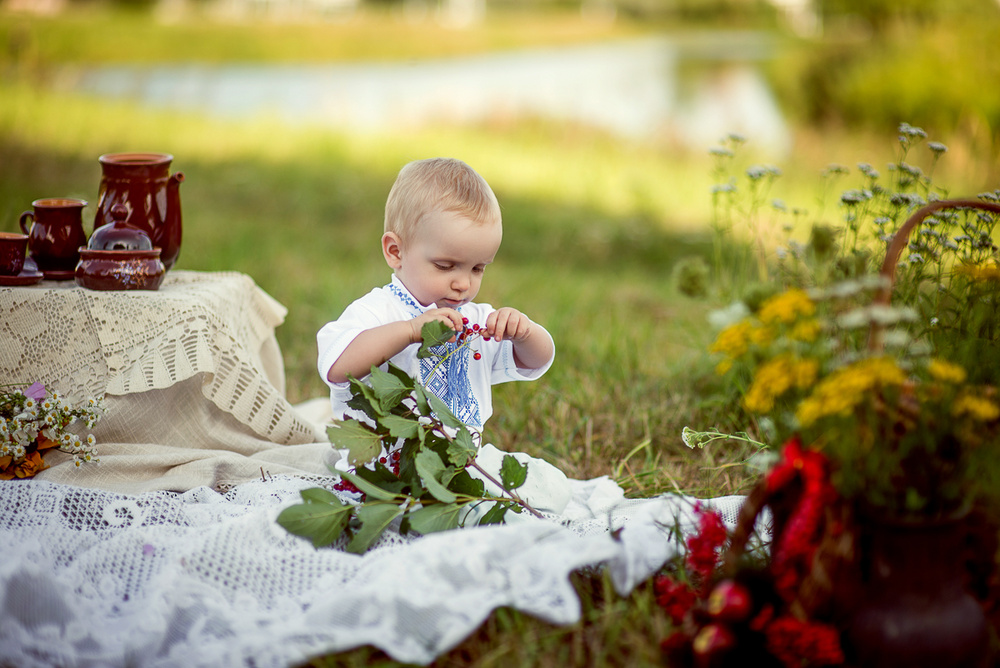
[(429, 490)]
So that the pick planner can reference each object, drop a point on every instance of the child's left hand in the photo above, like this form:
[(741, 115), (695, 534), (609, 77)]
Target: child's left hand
[(508, 323)]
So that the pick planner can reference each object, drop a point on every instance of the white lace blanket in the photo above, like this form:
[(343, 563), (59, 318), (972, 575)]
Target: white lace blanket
[(96, 578)]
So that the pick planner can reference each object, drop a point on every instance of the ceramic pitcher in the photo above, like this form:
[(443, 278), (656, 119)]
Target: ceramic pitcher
[(142, 183)]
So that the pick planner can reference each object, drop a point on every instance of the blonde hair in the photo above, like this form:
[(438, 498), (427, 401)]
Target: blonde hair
[(438, 184)]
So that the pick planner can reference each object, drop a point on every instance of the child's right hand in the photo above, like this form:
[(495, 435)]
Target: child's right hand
[(448, 316)]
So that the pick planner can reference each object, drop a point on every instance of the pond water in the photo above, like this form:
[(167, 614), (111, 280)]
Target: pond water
[(693, 91)]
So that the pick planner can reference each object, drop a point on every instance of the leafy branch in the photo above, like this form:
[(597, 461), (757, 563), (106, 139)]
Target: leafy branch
[(422, 481)]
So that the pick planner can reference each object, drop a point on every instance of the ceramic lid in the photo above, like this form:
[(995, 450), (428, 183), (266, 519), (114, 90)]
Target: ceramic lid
[(118, 235)]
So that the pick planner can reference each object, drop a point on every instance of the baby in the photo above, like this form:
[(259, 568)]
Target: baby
[(442, 229)]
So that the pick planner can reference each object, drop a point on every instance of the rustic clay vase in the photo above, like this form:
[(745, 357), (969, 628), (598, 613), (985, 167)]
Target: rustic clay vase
[(143, 185), (55, 232), (916, 611)]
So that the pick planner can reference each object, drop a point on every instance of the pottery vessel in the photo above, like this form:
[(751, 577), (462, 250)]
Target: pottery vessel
[(13, 248), (150, 195), (915, 610), (55, 233), (120, 269)]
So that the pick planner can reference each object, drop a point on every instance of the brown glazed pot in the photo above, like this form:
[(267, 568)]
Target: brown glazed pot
[(55, 232), (143, 185), (120, 269), (915, 610)]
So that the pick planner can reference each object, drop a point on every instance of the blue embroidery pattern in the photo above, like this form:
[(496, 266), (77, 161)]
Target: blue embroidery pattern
[(450, 381)]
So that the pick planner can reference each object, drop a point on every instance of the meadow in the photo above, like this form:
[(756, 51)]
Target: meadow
[(594, 228)]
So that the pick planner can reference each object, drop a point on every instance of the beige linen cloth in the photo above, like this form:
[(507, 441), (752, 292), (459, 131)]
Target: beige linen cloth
[(192, 375)]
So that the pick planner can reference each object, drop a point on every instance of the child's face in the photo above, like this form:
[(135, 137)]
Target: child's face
[(443, 263)]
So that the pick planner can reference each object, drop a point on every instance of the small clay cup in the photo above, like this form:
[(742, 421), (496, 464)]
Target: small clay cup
[(13, 249)]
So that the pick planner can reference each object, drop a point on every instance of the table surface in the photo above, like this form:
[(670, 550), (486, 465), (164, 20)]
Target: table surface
[(86, 343)]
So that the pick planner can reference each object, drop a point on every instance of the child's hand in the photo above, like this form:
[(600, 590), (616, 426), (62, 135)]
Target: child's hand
[(448, 316), (508, 323)]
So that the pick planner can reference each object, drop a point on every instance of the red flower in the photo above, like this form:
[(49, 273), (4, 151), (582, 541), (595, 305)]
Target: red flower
[(676, 598), (795, 642), (704, 546)]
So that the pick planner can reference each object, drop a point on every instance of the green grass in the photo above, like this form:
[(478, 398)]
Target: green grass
[(593, 229)]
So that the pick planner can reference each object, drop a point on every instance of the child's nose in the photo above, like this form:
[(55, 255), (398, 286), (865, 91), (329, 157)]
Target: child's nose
[(461, 283)]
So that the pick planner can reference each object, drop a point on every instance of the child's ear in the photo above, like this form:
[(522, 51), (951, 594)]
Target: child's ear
[(392, 250)]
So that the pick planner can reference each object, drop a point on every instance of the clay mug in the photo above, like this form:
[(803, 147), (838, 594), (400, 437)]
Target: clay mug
[(143, 184), (55, 232), (13, 248)]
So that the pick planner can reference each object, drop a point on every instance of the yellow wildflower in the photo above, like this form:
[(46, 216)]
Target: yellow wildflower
[(733, 341), (787, 307), (774, 378), (976, 407), (987, 271), (946, 372), (806, 330), (844, 389), (762, 336)]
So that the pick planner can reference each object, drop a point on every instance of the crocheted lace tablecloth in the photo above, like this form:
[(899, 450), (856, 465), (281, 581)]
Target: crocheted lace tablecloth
[(193, 376), (163, 579)]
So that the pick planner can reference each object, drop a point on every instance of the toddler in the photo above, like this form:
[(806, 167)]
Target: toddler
[(442, 229)]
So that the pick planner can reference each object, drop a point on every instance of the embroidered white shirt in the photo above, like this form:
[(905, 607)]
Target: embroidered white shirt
[(462, 382)]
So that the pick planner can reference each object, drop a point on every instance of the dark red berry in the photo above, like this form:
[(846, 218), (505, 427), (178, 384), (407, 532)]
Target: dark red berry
[(476, 356), (382, 459), (465, 321), (486, 338), (475, 328)]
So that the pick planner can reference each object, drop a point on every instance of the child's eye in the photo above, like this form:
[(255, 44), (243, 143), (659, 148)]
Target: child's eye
[(478, 270), (442, 267)]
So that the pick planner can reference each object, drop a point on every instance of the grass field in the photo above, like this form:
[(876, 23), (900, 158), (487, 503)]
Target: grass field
[(594, 227)]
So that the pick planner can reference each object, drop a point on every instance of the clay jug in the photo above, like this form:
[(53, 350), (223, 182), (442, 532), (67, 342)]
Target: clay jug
[(916, 611), (142, 183), (55, 234)]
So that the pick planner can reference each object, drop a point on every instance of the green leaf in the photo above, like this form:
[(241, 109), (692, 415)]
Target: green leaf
[(433, 333), (462, 449), (512, 472), (423, 403), (435, 517), (388, 389), (442, 412), (374, 518), (496, 514), (362, 392), (405, 378), (370, 488), (361, 441), (463, 483), (432, 470), (322, 518), (382, 477), (400, 427)]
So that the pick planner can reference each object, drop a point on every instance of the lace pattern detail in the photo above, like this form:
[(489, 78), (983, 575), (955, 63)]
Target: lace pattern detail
[(91, 577)]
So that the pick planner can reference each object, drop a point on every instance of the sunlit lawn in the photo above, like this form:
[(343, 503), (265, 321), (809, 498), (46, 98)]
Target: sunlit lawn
[(594, 226)]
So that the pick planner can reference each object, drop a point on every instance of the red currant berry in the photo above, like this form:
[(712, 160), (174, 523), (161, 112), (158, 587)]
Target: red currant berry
[(465, 321), (475, 328), (486, 338), (476, 356), (382, 459)]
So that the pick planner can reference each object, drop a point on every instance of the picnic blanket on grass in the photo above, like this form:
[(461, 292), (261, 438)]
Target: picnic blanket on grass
[(92, 577)]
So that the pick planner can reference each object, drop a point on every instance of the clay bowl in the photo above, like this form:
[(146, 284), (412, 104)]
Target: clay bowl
[(119, 269)]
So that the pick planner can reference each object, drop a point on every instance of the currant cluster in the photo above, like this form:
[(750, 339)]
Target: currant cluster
[(468, 333), (391, 462)]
